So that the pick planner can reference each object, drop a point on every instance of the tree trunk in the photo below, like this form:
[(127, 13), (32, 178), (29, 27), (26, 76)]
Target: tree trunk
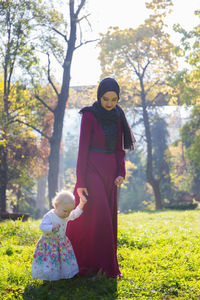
[(3, 178), (18, 196), (3, 153), (41, 192), (61, 172), (54, 154), (60, 110), (156, 189), (150, 178)]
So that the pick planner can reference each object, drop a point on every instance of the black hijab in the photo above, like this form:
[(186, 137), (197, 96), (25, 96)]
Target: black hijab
[(109, 119)]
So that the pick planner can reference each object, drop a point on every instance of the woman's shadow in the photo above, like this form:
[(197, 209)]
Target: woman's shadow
[(79, 287)]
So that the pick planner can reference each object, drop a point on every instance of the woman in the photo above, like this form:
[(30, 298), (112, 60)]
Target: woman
[(104, 135)]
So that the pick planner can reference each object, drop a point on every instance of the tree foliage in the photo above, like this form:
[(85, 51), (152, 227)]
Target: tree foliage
[(161, 164), (81, 96), (142, 59), (190, 135), (187, 90), (20, 24), (186, 82), (27, 153), (32, 29)]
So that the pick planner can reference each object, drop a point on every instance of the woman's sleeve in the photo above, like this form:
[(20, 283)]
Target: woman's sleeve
[(120, 153), (84, 145)]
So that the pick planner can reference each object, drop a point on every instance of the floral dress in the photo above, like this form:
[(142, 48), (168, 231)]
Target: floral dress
[(54, 257)]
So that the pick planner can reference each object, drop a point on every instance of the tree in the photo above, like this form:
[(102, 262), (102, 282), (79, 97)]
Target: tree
[(161, 165), (190, 48), (19, 23), (180, 168), (143, 59), (81, 96), (66, 33), (26, 154), (134, 190), (190, 137), (23, 155), (63, 95), (186, 89)]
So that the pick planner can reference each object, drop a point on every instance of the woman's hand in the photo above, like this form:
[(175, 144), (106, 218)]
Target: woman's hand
[(119, 180)]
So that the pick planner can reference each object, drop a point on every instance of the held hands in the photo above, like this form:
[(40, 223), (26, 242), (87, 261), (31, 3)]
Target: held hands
[(81, 193), (119, 180)]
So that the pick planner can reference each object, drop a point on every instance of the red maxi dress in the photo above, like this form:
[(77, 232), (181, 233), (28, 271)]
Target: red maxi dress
[(94, 234)]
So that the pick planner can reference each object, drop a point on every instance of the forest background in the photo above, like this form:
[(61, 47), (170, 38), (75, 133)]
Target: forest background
[(38, 155)]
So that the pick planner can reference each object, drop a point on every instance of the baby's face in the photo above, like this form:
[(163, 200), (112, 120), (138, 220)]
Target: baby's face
[(63, 210)]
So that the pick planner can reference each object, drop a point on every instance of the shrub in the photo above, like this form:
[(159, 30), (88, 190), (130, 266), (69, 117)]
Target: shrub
[(182, 205)]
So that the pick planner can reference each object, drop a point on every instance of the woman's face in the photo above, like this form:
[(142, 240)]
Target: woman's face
[(109, 100)]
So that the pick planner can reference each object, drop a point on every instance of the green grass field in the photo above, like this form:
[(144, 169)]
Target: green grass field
[(159, 257)]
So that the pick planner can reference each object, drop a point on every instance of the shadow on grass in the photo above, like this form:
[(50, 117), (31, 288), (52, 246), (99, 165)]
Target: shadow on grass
[(158, 211), (73, 289)]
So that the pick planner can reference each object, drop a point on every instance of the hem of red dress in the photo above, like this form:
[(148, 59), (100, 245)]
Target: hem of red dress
[(87, 273)]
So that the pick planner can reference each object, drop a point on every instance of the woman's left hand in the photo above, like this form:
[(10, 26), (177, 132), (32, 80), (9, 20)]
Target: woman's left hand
[(119, 180)]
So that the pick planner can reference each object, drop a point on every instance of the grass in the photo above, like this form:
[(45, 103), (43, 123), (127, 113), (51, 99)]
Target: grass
[(159, 257)]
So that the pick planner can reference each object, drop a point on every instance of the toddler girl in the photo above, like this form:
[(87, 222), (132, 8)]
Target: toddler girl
[(54, 257)]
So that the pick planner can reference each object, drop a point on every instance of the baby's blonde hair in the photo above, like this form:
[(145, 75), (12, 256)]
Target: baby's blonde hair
[(64, 197)]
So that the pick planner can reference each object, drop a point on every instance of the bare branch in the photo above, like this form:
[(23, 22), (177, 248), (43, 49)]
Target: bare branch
[(80, 32), (136, 92), (56, 57), (138, 122), (131, 63), (158, 96), (11, 67), (60, 33), (84, 43), (44, 103), (89, 24), (49, 77), (84, 17), (138, 65), (157, 82), (79, 7), (33, 127), (144, 69)]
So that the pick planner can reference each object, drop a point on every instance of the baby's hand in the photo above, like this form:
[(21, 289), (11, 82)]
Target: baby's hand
[(56, 226), (82, 192), (83, 200)]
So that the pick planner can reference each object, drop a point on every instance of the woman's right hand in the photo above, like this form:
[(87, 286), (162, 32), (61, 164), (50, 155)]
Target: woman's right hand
[(82, 192)]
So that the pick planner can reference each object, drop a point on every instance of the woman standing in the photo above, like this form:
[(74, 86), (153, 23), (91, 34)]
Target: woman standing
[(104, 135)]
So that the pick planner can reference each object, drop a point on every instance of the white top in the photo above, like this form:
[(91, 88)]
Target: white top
[(50, 219)]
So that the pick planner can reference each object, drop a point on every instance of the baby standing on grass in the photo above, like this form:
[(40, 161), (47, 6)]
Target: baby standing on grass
[(54, 257)]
